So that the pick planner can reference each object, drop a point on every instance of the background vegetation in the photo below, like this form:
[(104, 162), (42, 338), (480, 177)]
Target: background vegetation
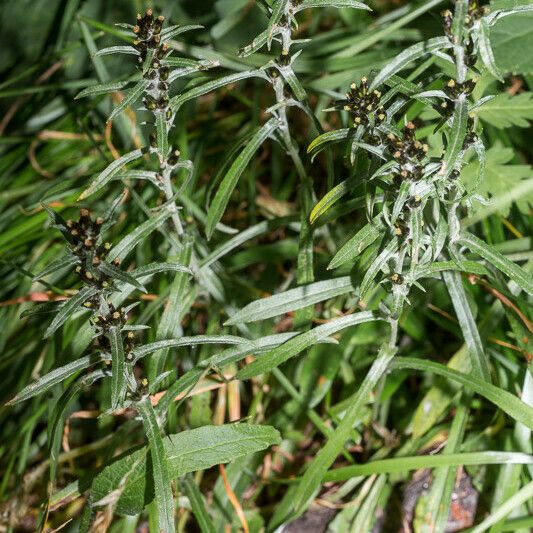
[(471, 425)]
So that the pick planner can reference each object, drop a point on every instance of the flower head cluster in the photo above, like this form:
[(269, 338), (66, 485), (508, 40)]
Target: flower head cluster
[(408, 152), (148, 32), (363, 104), (86, 245)]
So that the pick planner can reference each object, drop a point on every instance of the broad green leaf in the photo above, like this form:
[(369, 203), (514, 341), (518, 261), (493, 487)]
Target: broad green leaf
[(505, 110), (358, 243), (69, 308), (54, 377), (118, 370), (103, 88), (499, 261), (293, 299), (299, 343), (317, 469), (229, 182), (130, 97), (409, 55), (506, 401), (478, 359), (188, 451), (107, 175), (128, 243), (401, 464), (177, 101), (160, 467)]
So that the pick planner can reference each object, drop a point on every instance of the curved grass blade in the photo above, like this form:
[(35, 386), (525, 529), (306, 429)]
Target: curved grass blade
[(499, 261), (229, 182), (506, 401)]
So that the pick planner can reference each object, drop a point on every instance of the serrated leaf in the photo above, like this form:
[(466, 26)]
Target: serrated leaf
[(499, 261), (69, 308), (229, 182), (293, 299), (408, 56), (358, 243), (109, 172), (188, 451), (299, 343), (103, 88), (503, 182), (505, 110)]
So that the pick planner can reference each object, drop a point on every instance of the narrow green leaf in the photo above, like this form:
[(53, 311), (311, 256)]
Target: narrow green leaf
[(330, 198), (160, 467), (103, 88), (402, 464), (198, 505), (278, 10), (299, 343), (229, 182), (128, 243), (54, 377), (456, 136), (129, 98), (318, 468), (408, 56), (478, 359), (106, 175), (69, 308), (146, 349), (321, 142), (495, 258), (293, 299), (485, 50), (117, 50), (120, 275), (173, 31), (118, 370), (161, 134), (177, 101), (359, 242), (506, 401), (331, 3)]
